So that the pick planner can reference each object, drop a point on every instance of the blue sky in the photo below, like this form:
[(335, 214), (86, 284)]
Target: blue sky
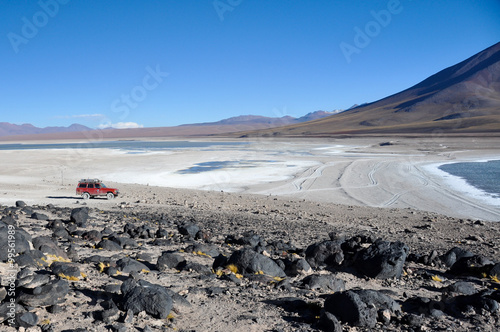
[(162, 63)]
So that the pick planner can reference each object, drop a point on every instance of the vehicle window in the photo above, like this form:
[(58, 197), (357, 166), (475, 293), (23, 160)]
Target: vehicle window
[(97, 185), (103, 185), (83, 185), (91, 185)]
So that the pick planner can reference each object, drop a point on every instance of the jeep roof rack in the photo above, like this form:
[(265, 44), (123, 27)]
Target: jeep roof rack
[(90, 180)]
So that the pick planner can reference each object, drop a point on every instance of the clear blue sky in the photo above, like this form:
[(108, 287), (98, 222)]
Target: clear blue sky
[(164, 63)]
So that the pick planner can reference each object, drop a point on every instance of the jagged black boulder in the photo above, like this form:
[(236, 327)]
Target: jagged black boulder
[(128, 265), (189, 230), (476, 265), (143, 296), (45, 295), (486, 300), (27, 319), (361, 307), (80, 216), (349, 308), (39, 216), (329, 323), (383, 259), (18, 241), (455, 254), (48, 245), (326, 253), (9, 220), (20, 204), (203, 249), (379, 300), (109, 245), (250, 262), (323, 282), (168, 260), (66, 270), (462, 287)]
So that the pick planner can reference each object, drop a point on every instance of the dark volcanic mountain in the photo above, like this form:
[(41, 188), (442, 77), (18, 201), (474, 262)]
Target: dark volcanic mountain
[(459, 99), (9, 129)]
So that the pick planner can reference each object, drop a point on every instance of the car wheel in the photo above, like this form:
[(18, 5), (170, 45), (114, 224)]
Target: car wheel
[(110, 195), (86, 195)]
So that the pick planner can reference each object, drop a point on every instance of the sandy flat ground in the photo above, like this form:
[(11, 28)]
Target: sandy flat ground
[(350, 171)]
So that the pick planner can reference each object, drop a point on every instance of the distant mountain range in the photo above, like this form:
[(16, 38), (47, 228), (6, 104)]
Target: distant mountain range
[(10, 131), (274, 122), (464, 98)]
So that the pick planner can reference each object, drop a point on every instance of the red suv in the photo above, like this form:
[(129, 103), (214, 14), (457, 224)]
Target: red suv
[(88, 188)]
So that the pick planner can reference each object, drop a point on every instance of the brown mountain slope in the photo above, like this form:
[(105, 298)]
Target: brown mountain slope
[(464, 98)]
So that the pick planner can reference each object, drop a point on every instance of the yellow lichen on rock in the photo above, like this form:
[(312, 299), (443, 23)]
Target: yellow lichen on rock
[(70, 278), (233, 268), (436, 278)]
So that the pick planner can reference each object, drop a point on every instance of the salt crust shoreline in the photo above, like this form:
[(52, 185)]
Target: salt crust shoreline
[(355, 171)]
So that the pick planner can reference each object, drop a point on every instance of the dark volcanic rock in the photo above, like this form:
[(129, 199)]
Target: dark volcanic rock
[(379, 300), (329, 323), (80, 216), (455, 254), (125, 242), (422, 305), (49, 246), (39, 216), (475, 266), (250, 262), (349, 308), (109, 245), (66, 270), (462, 287), (323, 282), (20, 204), (32, 280), (196, 267), (143, 296), (62, 233), (5, 311), (495, 271), (128, 265), (13, 236), (169, 260), (326, 253), (485, 300), (93, 235), (33, 258), (27, 319), (48, 294), (383, 260), (9, 220), (296, 267), (203, 249), (189, 230), (362, 307), (249, 238)]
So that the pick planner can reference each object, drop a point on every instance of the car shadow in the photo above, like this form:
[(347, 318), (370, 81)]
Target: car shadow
[(64, 197), (104, 198)]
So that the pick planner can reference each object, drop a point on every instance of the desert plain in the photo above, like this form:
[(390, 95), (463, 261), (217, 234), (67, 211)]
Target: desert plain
[(382, 172)]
